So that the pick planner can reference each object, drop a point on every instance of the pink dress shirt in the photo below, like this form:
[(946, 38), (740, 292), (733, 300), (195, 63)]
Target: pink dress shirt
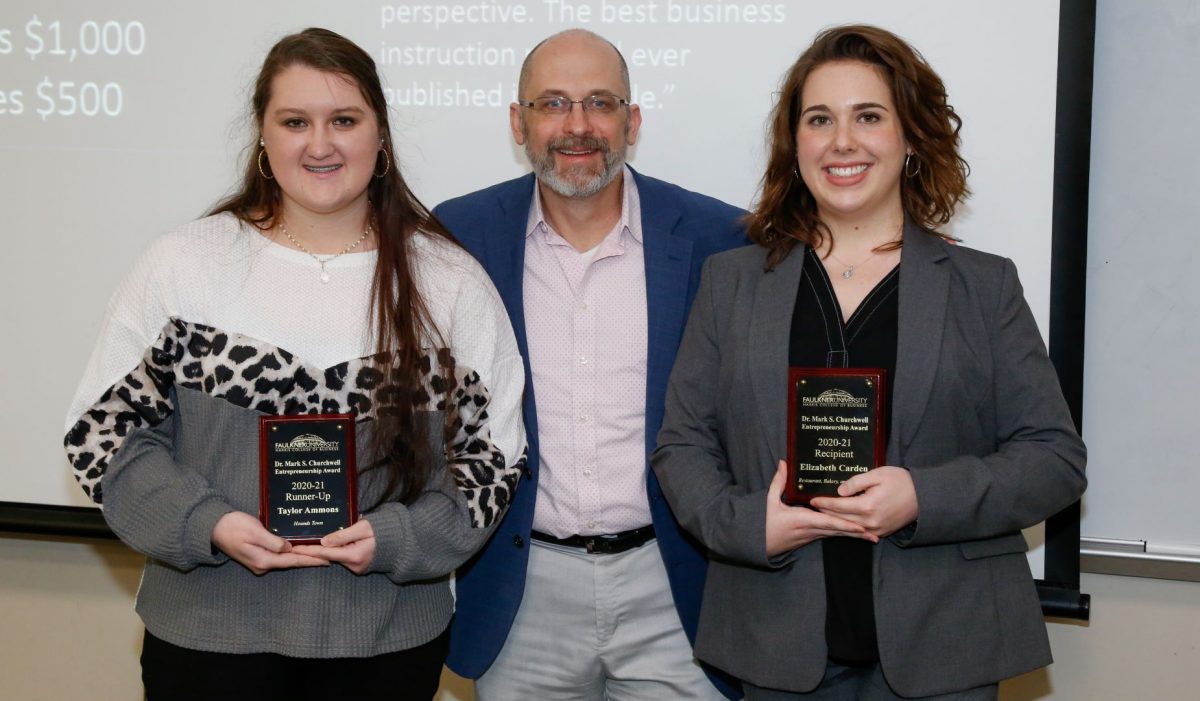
[(585, 318)]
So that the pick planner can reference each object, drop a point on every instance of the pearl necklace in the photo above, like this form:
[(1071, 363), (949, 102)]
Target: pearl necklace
[(349, 247)]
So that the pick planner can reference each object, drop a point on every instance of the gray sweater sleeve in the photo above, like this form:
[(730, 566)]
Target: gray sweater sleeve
[(428, 538), (459, 507), (158, 507), (485, 448)]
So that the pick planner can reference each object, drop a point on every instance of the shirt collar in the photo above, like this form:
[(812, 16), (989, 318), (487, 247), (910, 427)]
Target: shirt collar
[(630, 220)]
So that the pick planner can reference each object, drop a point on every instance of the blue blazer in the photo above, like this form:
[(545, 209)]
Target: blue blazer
[(680, 229)]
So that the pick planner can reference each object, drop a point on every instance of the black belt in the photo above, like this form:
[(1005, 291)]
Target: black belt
[(608, 544)]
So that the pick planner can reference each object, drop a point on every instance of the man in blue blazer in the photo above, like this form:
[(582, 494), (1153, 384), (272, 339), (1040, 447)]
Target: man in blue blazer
[(588, 589)]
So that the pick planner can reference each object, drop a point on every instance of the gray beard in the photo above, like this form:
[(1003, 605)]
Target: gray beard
[(575, 188)]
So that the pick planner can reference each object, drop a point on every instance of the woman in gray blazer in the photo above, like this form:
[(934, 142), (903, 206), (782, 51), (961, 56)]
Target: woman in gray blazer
[(911, 581)]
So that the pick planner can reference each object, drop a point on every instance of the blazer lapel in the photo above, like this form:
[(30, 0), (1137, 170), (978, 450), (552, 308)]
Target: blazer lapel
[(924, 286), (769, 339), (668, 260)]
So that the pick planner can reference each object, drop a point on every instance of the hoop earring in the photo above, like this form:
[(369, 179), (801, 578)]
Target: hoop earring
[(387, 163), (262, 172), (914, 173)]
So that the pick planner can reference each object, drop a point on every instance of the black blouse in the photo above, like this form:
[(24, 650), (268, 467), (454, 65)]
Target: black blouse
[(821, 338)]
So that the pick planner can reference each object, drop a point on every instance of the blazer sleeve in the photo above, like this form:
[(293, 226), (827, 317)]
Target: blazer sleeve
[(1037, 467), (691, 460)]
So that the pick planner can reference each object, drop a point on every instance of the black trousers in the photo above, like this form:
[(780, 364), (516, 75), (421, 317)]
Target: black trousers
[(173, 673)]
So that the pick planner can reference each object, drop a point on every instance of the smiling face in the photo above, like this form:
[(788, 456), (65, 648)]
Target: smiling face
[(576, 155), (850, 145), (321, 139)]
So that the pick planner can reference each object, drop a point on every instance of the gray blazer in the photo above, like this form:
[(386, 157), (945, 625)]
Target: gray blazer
[(979, 420)]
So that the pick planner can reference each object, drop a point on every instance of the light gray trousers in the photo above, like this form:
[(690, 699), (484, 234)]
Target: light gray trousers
[(595, 628)]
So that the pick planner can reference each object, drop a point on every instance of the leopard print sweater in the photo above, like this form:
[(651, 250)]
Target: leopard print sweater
[(255, 375)]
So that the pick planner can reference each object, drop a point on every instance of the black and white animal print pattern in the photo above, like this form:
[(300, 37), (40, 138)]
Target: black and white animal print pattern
[(256, 375)]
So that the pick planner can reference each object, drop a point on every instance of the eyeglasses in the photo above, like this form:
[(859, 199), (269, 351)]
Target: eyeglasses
[(601, 104)]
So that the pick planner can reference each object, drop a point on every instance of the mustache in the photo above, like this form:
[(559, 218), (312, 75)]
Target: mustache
[(578, 143)]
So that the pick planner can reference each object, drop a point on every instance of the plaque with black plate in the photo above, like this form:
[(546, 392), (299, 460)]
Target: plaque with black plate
[(307, 475), (835, 428)]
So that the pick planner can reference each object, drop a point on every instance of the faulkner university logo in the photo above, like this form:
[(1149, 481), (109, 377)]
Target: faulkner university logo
[(838, 398), (308, 443)]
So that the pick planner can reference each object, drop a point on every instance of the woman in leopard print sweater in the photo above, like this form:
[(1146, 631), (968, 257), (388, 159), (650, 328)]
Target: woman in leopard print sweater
[(322, 287)]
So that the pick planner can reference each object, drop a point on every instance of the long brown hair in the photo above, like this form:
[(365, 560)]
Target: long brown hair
[(932, 184), (398, 312)]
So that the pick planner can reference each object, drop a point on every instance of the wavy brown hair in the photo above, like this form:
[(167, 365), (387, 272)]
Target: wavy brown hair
[(786, 212), (398, 312)]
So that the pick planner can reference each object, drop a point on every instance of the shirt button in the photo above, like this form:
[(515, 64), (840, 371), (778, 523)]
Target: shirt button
[(584, 418), (583, 360), (518, 541), (587, 473), (591, 524)]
